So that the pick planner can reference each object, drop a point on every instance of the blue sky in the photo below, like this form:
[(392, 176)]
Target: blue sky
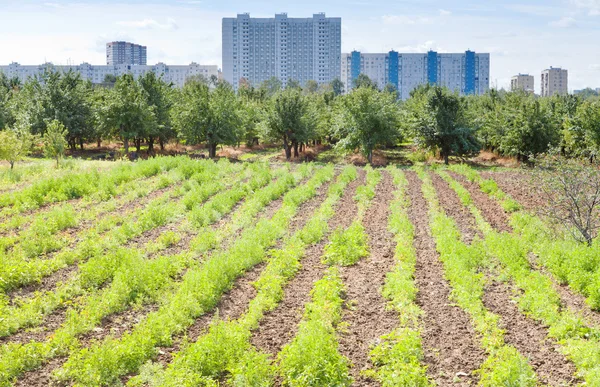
[(522, 36)]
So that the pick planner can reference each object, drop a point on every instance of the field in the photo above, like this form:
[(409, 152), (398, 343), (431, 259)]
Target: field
[(180, 272)]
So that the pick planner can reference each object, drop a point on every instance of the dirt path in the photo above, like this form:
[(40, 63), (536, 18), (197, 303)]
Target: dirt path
[(449, 341), (368, 318), (454, 208), (279, 326), (529, 337)]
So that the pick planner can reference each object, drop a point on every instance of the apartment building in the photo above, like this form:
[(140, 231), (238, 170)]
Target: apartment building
[(300, 49), (466, 73), (96, 74), (125, 53), (554, 81), (523, 82)]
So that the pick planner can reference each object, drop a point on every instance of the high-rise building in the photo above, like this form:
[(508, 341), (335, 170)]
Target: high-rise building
[(119, 53), (96, 74), (523, 82), (299, 49), (466, 73), (555, 81)]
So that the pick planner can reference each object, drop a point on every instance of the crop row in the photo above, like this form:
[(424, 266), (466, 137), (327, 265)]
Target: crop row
[(538, 298), (198, 292), (226, 346), (136, 279), (462, 268)]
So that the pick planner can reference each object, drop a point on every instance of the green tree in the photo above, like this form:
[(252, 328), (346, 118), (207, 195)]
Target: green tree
[(14, 146), (210, 117), (271, 86), (124, 112), (285, 119), (365, 119), (337, 86), (110, 79), (436, 118), (588, 121), (311, 87), (158, 97), (55, 143), (363, 81)]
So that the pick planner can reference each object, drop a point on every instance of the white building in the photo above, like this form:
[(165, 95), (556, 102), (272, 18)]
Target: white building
[(96, 74), (299, 49), (523, 82), (125, 53), (466, 73), (555, 81)]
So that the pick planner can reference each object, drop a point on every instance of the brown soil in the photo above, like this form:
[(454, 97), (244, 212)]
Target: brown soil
[(234, 302), (491, 210), (368, 319), (529, 338), (280, 325), (449, 340), (454, 208), (519, 186), (41, 377)]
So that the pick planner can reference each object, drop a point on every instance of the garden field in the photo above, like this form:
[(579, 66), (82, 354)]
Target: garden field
[(180, 272)]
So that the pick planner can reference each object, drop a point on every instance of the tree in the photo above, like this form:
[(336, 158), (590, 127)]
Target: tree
[(364, 81), (14, 146), (211, 117), (365, 119), (271, 86), (337, 86), (436, 117), (293, 84), (125, 112), (110, 79), (311, 87), (55, 143), (158, 98), (572, 192), (285, 120), (391, 89)]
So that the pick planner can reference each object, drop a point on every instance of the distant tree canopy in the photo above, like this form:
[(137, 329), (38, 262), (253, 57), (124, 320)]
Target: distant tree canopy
[(148, 111)]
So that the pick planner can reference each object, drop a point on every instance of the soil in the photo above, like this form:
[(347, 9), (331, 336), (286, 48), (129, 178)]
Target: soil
[(454, 208), (450, 343), (529, 337), (491, 210), (519, 186), (279, 326), (369, 319)]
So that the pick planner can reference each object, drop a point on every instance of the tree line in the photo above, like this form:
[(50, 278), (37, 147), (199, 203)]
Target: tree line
[(150, 111)]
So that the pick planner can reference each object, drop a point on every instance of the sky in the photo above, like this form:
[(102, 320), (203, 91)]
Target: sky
[(521, 36)]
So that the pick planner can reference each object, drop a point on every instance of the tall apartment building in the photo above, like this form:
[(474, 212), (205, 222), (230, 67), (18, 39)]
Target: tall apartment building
[(555, 81), (467, 73), (125, 53), (96, 74), (299, 49), (523, 82)]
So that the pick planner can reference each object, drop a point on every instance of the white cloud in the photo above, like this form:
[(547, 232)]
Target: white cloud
[(405, 20), (564, 22), (170, 25), (595, 67), (54, 5), (445, 12), (592, 6)]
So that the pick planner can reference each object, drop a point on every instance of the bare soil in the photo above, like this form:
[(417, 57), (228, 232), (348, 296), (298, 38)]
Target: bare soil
[(450, 343), (368, 319), (519, 186), (529, 337)]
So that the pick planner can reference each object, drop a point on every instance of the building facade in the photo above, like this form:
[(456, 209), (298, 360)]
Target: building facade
[(524, 82), (125, 53), (466, 73), (96, 74), (554, 81), (299, 49)]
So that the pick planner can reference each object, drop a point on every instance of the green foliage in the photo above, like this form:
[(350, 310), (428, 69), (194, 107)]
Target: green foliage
[(347, 247), (437, 120), (14, 146), (54, 141), (366, 119)]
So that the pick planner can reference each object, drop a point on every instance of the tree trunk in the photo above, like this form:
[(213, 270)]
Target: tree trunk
[(150, 145), (138, 144), (295, 143), (288, 150), (99, 142), (370, 157), (161, 142), (126, 145), (446, 159), (81, 143), (57, 162), (212, 150), (72, 144), (12, 164)]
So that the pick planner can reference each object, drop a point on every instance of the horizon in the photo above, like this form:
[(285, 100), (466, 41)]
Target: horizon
[(521, 37)]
